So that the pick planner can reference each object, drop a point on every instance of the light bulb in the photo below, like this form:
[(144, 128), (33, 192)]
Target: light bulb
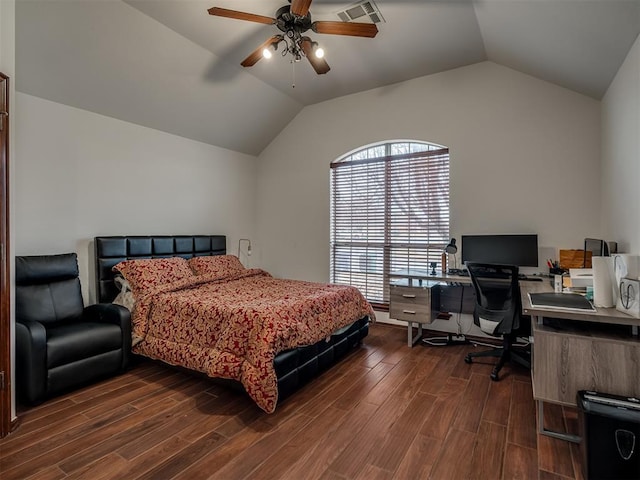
[(266, 53), (319, 52)]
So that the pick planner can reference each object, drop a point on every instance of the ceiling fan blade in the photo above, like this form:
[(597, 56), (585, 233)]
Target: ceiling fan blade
[(250, 17), (320, 65), (300, 7), (256, 55), (346, 28)]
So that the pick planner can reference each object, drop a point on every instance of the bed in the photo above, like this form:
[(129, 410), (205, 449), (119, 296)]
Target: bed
[(198, 308)]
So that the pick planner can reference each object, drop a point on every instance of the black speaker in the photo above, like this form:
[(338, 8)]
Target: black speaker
[(610, 432)]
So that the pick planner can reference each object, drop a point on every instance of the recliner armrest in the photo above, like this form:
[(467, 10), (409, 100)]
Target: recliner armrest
[(107, 312), (117, 314), (31, 361)]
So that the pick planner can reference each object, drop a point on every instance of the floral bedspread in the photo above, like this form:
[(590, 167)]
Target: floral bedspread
[(234, 327)]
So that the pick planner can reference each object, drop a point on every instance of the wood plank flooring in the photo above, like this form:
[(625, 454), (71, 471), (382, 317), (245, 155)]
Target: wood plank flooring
[(387, 411)]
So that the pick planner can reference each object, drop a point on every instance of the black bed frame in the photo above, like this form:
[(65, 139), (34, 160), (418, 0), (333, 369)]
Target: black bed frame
[(293, 367)]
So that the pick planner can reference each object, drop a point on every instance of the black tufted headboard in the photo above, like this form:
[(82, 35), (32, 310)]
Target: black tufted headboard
[(111, 250)]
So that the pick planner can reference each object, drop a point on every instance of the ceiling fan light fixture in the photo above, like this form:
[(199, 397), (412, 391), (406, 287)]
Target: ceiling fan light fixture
[(293, 21)]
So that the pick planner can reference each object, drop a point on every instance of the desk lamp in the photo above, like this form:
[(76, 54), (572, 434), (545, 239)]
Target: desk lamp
[(452, 249)]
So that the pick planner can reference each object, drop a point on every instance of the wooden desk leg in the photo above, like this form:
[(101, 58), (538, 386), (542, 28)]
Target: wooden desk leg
[(551, 433)]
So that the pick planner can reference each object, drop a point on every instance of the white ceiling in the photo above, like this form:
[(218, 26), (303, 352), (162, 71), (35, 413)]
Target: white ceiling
[(168, 64)]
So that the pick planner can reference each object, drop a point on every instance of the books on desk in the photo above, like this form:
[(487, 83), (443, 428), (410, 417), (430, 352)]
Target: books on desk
[(562, 301)]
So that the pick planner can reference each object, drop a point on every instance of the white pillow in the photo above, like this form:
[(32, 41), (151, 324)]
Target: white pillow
[(125, 297)]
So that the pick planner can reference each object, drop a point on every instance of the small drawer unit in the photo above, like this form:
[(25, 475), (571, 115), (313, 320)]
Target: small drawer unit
[(413, 304)]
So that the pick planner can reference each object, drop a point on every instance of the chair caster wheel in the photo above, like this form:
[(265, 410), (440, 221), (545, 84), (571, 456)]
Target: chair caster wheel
[(468, 359), (494, 376)]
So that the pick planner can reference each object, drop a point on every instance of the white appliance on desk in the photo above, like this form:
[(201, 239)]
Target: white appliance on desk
[(581, 277)]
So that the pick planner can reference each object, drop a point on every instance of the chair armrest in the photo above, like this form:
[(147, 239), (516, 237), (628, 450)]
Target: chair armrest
[(118, 315), (108, 313), (31, 361)]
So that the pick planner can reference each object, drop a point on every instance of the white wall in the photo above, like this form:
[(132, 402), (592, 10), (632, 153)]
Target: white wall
[(525, 157), (7, 37), (80, 175), (621, 155)]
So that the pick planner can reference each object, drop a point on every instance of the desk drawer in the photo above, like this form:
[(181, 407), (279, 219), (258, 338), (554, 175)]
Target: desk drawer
[(573, 359), (410, 304)]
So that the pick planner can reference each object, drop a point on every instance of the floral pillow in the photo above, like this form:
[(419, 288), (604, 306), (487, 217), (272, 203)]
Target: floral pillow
[(146, 274), (218, 266)]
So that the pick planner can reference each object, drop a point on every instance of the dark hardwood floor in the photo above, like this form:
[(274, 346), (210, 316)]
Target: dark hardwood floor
[(385, 412)]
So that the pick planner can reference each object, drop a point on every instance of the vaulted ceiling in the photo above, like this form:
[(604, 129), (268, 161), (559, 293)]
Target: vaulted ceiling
[(169, 65)]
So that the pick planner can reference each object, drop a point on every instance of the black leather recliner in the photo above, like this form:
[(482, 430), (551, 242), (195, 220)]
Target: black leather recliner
[(60, 344)]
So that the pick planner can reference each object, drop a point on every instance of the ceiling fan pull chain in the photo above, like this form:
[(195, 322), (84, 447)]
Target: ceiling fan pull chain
[(293, 74)]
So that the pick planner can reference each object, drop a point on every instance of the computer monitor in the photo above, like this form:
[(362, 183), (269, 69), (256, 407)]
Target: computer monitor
[(520, 250)]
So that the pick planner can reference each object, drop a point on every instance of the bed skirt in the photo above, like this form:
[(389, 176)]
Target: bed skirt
[(296, 367)]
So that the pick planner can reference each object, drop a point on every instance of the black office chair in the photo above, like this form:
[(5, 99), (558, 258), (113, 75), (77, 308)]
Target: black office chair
[(498, 311), (60, 343)]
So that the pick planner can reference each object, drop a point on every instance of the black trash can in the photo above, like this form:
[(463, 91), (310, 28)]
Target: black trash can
[(610, 431)]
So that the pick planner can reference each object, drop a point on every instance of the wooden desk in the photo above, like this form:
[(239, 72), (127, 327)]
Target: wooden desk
[(601, 315), (580, 351), (416, 277), (413, 298)]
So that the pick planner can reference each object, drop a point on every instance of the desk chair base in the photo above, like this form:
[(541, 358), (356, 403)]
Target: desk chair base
[(505, 354)]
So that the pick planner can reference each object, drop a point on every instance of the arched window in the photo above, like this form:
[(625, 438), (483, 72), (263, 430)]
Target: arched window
[(389, 212)]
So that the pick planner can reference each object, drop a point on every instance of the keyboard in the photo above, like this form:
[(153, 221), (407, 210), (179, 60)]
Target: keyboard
[(529, 279), (459, 272)]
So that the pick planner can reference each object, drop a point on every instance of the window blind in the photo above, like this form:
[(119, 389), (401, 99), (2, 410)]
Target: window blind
[(389, 212)]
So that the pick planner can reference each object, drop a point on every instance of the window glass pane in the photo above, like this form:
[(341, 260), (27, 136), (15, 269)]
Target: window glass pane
[(399, 148), (421, 147), (376, 152)]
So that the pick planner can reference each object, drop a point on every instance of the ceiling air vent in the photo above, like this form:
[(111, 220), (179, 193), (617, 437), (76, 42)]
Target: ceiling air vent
[(360, 12)]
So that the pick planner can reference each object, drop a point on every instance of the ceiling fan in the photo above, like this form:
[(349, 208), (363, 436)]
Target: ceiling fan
[(294, 20)]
